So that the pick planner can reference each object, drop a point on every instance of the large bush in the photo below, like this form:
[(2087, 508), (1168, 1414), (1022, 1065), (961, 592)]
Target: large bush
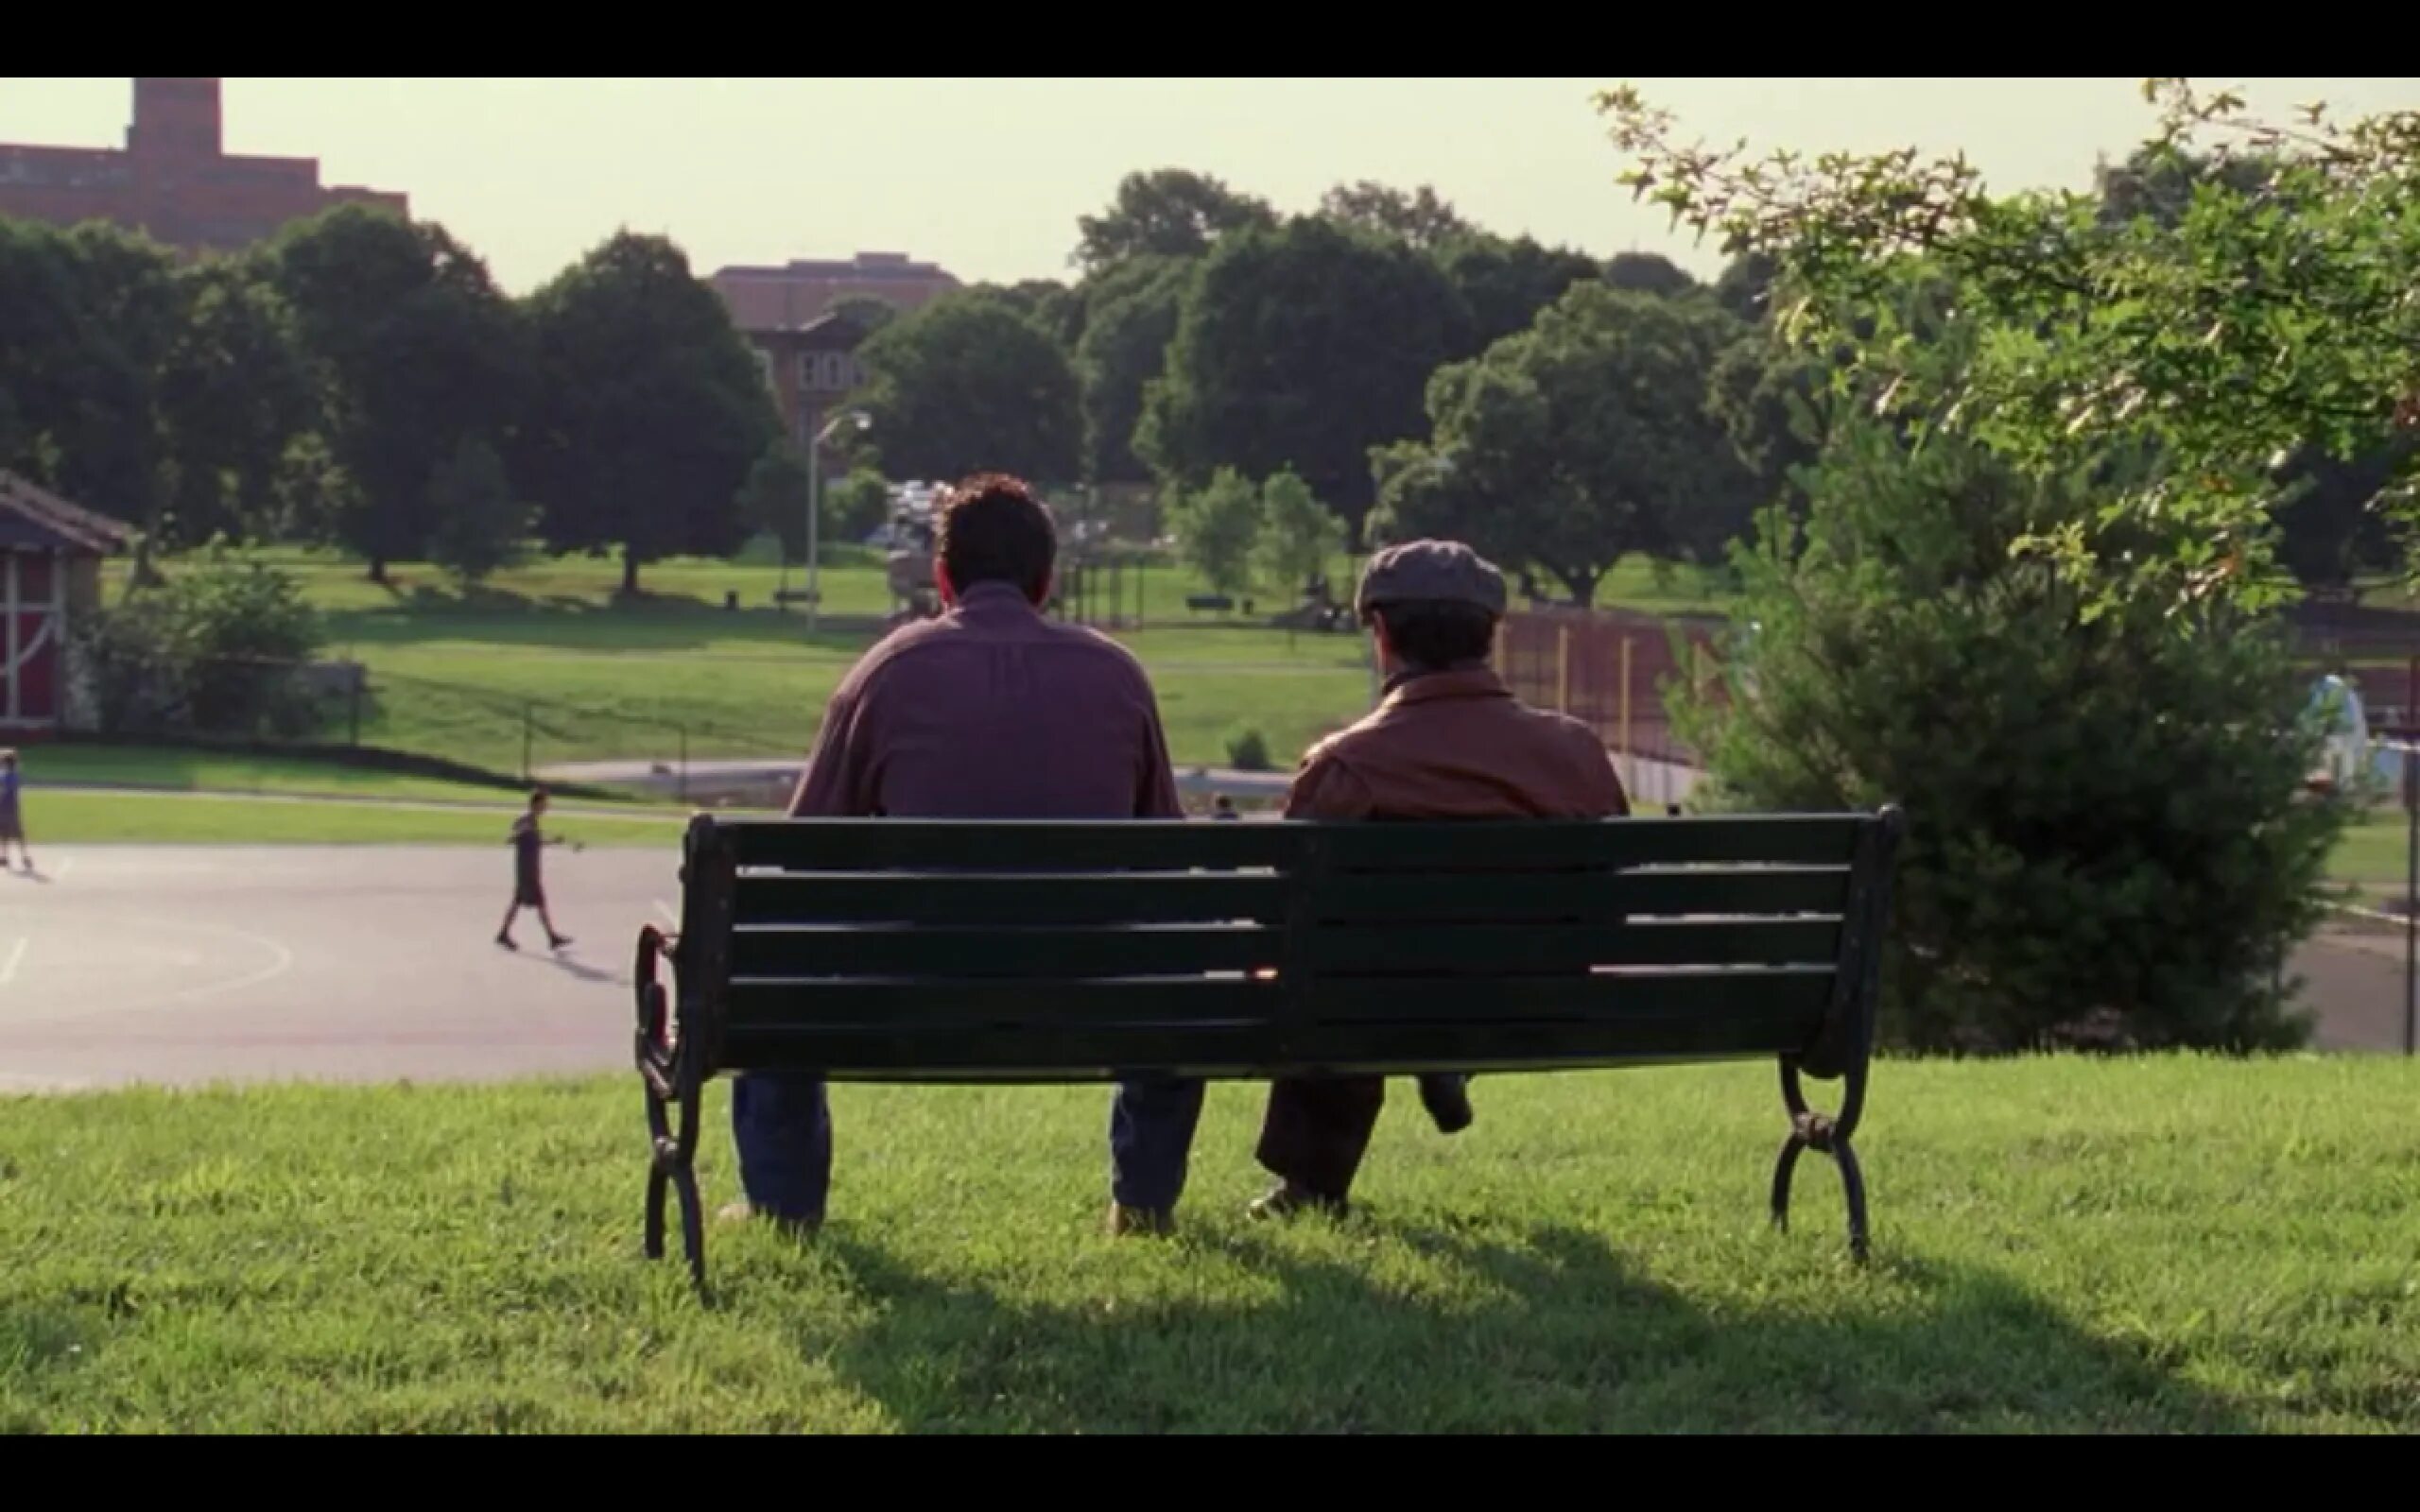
[(223, 648), (2110, 843)]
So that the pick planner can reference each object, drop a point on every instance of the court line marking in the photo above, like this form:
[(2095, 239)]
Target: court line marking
[(16, 958), (665, 909), (281, 962)]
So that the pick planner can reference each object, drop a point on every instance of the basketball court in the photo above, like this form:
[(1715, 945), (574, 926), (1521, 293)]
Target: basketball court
[(193, 965)]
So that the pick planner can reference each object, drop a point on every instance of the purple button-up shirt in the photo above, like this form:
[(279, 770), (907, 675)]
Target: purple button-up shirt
[(992, 712)]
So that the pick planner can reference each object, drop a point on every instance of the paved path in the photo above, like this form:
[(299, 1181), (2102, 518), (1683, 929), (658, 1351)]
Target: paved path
[(196, 963), (188, 965), (2354, 979)]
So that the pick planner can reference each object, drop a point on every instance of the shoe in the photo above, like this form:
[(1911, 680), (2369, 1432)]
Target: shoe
[(559, 942), (1448, 1101), (1286, 1200), (739, 1213), (506, 940), (1124, 1220)]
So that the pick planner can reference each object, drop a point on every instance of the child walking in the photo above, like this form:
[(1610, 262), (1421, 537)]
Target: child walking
[(529, 887)]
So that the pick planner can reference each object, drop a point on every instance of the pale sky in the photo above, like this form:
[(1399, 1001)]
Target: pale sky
[(987, 177)]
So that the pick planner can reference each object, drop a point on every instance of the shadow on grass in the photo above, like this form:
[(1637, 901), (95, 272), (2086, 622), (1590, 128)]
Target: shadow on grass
[(665, 621), (1548, 1330)]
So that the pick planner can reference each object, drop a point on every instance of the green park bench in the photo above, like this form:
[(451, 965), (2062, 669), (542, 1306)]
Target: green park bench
[(1042, 952)]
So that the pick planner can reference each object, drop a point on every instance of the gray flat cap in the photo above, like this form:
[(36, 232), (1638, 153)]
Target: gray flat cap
[(1446, 571)]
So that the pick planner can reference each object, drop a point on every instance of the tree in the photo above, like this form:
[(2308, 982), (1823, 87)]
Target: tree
[(2263, 317), (1578, 441), (87, 313), (2137, 841), (775, 498), (1053, 307), (967, 384), (1298, 535), (2332, 516), (865, 312), (480, 528), (857, 505), (234, 393), (310, 492), (1132, 318), (1419, 218), (1505, 284), (215, 650), (653, 410), (1303, 348), (1768, 399), (2110, 844), (2158, 185), (1648, 273), (1745, 287), (1214, 527), (412, 349), (1166, 213)]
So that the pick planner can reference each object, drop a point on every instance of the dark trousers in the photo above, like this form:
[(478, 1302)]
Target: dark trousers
[(782, 1125), (1318, 1127)]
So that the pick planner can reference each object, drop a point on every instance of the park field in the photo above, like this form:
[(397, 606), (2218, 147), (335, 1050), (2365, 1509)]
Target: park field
[(546, 666), (209, 818), (2160, 1244)]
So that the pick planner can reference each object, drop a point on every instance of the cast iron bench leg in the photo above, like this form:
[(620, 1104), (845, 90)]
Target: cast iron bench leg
[(668, 1082), (1827, 1135)]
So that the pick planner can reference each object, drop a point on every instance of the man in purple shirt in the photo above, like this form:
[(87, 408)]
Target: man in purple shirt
[(989, 711)]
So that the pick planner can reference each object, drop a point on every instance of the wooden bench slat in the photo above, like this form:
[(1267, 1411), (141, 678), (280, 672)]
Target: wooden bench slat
[(956, 953), (1431, 896), (1493, 950), (1526, 845), (1009, 845), (1056, 898), (1178, 845), (1044, 1047), (923, 1003), (1030, 1053), (1608, 997)]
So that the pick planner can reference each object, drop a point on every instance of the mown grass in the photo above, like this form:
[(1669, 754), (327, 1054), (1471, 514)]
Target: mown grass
[(2375, 853), (2162, 1245), (545, 661), (78, 819)]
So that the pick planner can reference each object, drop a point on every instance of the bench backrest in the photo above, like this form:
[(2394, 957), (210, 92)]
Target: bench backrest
[(906, 950)]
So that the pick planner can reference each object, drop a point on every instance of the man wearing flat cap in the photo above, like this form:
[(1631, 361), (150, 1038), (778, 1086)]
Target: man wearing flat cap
[(1447, 741)]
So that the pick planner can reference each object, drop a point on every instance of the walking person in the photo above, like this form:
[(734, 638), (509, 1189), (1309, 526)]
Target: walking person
[(12, 816), (529, 887)]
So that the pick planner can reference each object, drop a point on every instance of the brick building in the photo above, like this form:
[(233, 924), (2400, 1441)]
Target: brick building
[(806, 347), (174, 180)]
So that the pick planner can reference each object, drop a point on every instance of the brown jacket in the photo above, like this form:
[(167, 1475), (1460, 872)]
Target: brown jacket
[(1458, 746)]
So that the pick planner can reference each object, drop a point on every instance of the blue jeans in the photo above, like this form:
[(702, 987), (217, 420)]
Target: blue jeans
[(782, 1125)]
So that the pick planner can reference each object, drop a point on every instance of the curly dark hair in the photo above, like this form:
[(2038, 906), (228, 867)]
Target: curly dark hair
[(991, 529)]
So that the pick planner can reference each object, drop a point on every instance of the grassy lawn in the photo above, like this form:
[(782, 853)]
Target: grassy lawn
[(68, 817), (455, 672), (242, 772), (2164, 1244)]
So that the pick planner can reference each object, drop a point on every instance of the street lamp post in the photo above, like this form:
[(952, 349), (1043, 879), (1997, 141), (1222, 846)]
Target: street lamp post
[(860, 419)]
